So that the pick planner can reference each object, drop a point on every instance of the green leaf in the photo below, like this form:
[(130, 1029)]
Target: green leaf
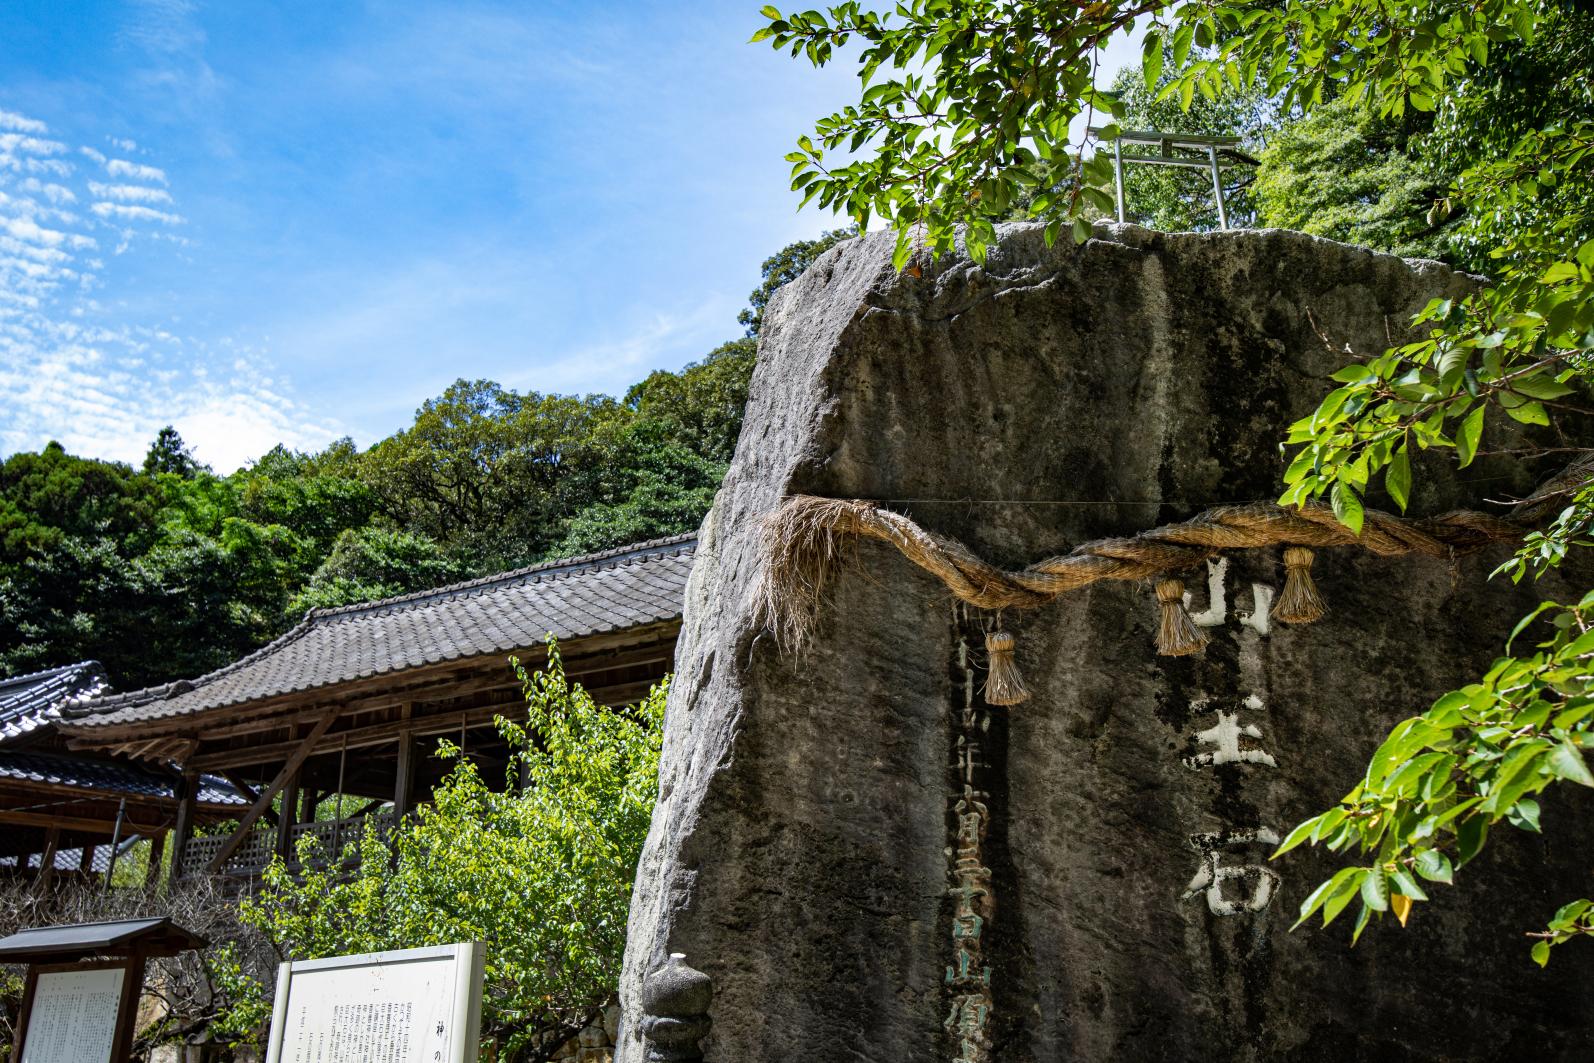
[(1434, 866), (1082, 230), (1151, 60), (1470, 837), (1567, 763), (1347, 507), (1528, 413), (1405, 885), (1344, 881), (1467, 437), (1397, 478), (1352, 374), (1525, 815), (1375, 890), (1296, 837), (1541, 953)]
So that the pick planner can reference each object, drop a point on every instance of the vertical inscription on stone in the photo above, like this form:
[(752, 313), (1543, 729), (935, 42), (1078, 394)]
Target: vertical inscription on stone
[(968, 978)]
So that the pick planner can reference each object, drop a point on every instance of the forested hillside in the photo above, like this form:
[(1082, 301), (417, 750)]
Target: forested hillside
[(169, 570)]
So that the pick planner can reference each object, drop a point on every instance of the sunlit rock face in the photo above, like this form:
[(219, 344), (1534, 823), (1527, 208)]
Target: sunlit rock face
[(871, 864)]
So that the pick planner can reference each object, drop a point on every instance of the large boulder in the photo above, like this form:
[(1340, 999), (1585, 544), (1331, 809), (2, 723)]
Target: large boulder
[(806, 843)]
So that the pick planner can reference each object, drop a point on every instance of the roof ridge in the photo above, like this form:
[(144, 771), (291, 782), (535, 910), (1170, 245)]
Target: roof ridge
[(552, 567), (59, 669)]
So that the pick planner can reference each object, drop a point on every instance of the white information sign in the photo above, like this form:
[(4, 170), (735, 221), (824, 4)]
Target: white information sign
[(409, 1006), (73, 1017)]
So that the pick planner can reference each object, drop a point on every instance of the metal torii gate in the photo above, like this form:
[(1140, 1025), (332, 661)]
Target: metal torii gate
[(1166, 144)]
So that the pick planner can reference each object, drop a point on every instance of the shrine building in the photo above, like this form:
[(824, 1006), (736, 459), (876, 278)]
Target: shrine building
[(350, 704)]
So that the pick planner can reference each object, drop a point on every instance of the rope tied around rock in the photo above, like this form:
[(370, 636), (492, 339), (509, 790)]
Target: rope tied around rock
[(806, 537)]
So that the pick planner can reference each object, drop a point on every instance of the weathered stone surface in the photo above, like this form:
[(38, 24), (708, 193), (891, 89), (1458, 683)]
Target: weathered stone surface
[(802, 844)]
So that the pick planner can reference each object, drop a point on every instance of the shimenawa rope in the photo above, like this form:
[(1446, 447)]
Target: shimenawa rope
[(806, 536)]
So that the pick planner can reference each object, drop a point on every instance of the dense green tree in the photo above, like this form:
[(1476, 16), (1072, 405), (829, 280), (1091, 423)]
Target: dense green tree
[(369, 563), (965, 111), (51, 495), (1345, 172), (482, 468), (169, 454)]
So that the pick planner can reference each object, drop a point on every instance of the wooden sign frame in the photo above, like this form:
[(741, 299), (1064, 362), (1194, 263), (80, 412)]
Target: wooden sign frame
[(132, 968), (470, 961)]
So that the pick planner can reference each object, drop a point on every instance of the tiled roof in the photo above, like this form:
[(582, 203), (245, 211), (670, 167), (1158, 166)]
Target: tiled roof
[(109, 776), (610, 591), (29, 701)]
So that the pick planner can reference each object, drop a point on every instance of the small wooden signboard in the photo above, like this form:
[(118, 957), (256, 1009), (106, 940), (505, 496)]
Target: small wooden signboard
[(406, 1006), (80, 995)]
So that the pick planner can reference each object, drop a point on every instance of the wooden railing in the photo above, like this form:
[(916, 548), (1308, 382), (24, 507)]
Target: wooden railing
[(252, 857)]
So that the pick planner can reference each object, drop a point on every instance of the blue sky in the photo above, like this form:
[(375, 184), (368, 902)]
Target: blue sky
[(297, 220)]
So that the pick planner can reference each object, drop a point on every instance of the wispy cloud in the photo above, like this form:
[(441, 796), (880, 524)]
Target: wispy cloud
[(70, 370), (137, 171), (20, 123), (130, 193), (135, 213)]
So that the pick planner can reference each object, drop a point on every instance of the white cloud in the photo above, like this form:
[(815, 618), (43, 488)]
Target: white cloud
[(70, 368), (122, 143), (53, 192), (135, 213), (11, 143), (21, 123), (130, 193), (136, 170)]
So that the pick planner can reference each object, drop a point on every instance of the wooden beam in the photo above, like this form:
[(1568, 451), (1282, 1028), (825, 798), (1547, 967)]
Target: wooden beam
[(380, 734), (249, 792), (76, 823), (387, 688), (289, 770)]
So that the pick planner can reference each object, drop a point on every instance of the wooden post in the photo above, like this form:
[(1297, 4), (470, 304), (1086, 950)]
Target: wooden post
[(85, 860), (157, 849), (288, 817), (52, 841), (188, 797), (404, 777), (132, 993)]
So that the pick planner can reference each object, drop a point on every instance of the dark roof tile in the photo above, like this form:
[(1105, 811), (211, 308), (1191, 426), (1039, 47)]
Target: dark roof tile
[(609, 591), (30, 701)]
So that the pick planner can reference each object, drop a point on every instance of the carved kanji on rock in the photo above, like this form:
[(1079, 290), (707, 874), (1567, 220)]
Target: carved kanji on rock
[(1225, 735), (1256, 881), (1216, 614)]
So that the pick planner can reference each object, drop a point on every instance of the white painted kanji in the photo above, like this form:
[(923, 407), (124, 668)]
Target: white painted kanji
[(1256, 883), (1226, 735), (1216, 614)]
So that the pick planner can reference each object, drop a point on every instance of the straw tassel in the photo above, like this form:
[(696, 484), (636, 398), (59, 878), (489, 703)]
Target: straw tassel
[(1299, 602), (1177, 634), (1003, 686)]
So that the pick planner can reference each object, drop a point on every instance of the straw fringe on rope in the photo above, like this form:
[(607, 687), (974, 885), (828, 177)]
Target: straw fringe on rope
[(807, 536)]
